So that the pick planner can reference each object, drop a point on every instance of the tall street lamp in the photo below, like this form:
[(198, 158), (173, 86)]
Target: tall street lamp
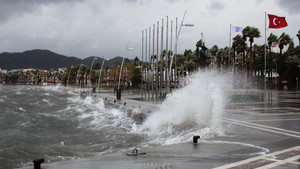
[(297, 79), (69, 76), (176, 43), (78, 73), (118, 89), (100, 73), (91, 71)]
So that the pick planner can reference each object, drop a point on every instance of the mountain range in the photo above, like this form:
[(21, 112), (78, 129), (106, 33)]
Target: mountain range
[(45, 59)]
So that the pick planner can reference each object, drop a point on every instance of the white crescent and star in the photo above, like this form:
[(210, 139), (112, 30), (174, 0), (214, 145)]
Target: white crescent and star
[(274, 21)]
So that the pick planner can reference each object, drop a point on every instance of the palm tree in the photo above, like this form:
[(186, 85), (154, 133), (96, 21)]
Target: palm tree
[(258, 51), (214, 50), (226, 57), (136, 60), (179, 62), (298, 35), (35, 76), (189, 63), (221, 54), (272, 38), (238, 45), (252, 33), (245, 33), (284, 39)]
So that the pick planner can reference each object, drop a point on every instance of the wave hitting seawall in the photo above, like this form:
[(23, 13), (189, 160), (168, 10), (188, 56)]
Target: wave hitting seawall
[(58, 125)]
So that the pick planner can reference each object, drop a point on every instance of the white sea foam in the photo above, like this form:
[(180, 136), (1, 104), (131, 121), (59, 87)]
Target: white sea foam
[(48, 102), (47, 94), (194, 109), (93, 114), (22, 109), (56, 88), (18, 92)]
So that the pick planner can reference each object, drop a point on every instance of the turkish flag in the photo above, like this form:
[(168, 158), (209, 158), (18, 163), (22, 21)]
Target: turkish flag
[(277, 21)]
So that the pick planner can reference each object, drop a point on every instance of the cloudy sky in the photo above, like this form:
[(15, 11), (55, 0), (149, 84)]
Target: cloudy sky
[(83, 28)]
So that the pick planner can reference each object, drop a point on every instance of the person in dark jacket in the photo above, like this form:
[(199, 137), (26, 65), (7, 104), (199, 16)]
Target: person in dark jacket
[(203, 57)]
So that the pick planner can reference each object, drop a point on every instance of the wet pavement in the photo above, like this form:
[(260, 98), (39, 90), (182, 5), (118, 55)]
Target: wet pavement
[(262, 131)]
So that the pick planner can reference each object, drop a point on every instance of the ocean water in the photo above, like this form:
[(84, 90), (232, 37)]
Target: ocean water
[(50, 123), (53, 123)]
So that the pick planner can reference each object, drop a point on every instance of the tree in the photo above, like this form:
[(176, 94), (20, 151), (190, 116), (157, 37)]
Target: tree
[(258, 54), (137, 77), (238, 45), (252, 33), (136, 60), (225, 56), (284, 39), (221, 55), (189, 63), (298, 35), (214, 50), (272, 38), (245, 35)]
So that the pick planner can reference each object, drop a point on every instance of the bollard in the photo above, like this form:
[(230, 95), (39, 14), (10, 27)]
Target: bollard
[(37, 163), (119, 94), (195, 139)]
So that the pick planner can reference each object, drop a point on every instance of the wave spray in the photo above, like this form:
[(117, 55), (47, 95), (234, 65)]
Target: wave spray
[(193, 109)]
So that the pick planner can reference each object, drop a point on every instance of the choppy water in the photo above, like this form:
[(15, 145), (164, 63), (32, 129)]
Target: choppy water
[(51, 123), (47, 122)]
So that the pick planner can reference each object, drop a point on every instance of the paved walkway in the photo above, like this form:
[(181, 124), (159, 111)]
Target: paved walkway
[(263, 132)]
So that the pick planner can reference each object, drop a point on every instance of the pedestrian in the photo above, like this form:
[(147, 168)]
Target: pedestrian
[(203, 57)]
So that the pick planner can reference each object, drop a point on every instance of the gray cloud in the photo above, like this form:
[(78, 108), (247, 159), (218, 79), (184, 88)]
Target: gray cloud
[(100, 27), (291, 6), (16, 8), (216, 5)]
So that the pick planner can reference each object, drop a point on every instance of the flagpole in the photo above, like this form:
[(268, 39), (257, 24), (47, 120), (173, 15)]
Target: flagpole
[(229, 41), (265, 72), (142, 65)]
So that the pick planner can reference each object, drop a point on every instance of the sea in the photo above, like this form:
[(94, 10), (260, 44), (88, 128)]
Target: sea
[(57, 124)]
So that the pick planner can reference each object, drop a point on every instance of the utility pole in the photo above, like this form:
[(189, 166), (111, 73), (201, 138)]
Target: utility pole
[(176, 37), (167, 58), (152, 62), (142, 65), (161, 58), (171, 48), (149, 59), (157, 59), (146, 83)]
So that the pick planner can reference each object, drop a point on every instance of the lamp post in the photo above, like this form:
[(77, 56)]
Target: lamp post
[(297, 78), (78, 73), (100, 74), (118, 89), (176, 43), (91, 72), (69, 76)]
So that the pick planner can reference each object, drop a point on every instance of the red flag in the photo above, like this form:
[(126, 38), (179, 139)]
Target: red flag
[(277, 21)]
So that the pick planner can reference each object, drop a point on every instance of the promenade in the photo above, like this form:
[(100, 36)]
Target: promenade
[(262, 131)]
